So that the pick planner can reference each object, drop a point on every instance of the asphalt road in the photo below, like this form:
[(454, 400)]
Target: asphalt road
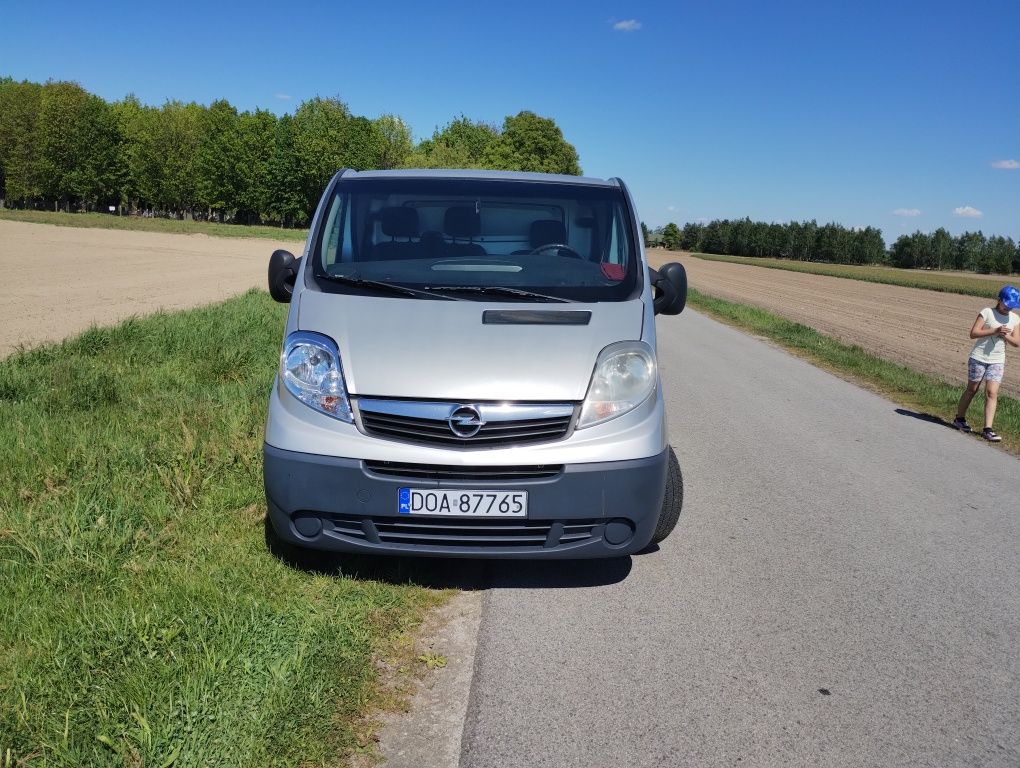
[(842, 590)]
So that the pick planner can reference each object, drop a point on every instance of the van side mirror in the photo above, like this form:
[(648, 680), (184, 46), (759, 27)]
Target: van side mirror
[(283, 269), (669, 288)]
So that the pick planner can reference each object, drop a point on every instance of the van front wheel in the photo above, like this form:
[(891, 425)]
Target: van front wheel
[(672, 500)]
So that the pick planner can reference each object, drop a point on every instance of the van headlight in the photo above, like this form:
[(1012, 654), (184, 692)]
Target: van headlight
[(625, 375), (310, 370)]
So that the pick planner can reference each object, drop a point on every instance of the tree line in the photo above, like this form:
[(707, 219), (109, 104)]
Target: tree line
[(63, 148), (834, 243)]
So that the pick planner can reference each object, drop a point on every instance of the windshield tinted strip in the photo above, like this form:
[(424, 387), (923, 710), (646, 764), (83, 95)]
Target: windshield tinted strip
[(534, 317)]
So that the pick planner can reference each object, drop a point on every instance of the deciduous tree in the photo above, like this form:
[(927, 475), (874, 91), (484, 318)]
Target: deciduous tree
[(532, 143)]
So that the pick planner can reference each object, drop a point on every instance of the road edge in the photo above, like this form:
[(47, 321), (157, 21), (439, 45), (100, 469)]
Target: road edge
[(429, 732)]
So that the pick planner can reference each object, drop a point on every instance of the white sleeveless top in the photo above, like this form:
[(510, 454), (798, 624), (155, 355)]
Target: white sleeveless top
[(992, 349)]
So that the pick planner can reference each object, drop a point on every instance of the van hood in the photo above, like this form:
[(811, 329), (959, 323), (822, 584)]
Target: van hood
[(442, 350)]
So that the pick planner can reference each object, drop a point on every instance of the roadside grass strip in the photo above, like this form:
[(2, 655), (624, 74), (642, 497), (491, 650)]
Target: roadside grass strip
[(139, 224), (928, 396), (986, 287), (142, 620)]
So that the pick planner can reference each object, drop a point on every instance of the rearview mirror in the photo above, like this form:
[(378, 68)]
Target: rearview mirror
[(283, 269), (669, 288)]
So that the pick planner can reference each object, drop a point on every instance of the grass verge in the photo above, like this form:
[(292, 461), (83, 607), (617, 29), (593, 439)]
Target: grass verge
[(138, 224), (985, 287), (142, 621), (919, 391)]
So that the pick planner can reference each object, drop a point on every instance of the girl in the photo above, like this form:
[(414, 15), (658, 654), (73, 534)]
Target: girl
[(992, 329)]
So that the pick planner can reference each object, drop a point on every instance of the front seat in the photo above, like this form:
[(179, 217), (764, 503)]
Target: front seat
[(397, 221), (544, 232), (463, 224)]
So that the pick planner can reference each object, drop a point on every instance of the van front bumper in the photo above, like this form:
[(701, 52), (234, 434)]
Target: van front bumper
[(607, 509)]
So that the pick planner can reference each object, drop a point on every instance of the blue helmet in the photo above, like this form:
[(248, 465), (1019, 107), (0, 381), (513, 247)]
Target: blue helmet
[(1010, 297)]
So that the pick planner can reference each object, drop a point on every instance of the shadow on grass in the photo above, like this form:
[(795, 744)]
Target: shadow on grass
[(930, 418), (455, 573)]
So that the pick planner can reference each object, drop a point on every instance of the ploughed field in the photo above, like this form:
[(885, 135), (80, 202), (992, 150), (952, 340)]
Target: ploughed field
[(923, 330), (61, 280)]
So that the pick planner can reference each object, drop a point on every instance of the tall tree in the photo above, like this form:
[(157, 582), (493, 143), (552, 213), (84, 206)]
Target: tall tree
[(175, 138), (362, 144), (287, 201), (967, 250), (997, 255), (216, 157), (321, 144), (532, 143), (56, 137), (690, 240), (19, 157), (98, 173), (941, 249), (139, 155), (256, 134), (462, 143), (395, 137), (671, 236), (78, 141)]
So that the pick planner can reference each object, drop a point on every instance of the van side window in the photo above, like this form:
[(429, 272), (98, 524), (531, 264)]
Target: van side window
[(616, 253), (347, 250), (331, 233), (338, 223)]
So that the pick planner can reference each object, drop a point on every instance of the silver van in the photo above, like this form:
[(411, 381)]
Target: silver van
[(469, 369)]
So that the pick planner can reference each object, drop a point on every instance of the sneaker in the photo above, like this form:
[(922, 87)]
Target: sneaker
[(989, 434), (961, 424)]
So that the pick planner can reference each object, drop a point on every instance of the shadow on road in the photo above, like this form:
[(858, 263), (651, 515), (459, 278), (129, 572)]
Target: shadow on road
[(456, 573), (930, 418)]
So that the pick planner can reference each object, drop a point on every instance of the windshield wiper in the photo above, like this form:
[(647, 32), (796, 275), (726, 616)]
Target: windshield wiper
[(380, 285), (497, 290)]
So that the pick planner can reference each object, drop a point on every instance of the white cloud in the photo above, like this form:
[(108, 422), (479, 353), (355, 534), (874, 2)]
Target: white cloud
[(968, 212), (1007, 165), (907, 212), (627, 25), (282, 96), (671, 208)]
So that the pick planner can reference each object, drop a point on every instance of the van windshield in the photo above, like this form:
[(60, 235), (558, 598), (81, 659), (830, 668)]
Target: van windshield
[(477, 239)]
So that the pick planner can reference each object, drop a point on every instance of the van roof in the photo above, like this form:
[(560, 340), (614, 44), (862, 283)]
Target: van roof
[(422, 173)]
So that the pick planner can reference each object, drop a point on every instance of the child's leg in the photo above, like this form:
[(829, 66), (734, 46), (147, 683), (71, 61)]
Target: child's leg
[(991, 401), (966, 397)]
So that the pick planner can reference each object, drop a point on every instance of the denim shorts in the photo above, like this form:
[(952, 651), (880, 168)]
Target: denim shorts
[(978, 371)]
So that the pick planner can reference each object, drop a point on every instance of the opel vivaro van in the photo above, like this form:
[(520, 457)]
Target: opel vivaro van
[(469, 369)]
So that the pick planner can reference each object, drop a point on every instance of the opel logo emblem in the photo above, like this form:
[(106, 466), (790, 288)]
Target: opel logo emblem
[(465, 421)]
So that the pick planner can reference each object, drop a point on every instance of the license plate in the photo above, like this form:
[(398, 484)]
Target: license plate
[(453, 503)]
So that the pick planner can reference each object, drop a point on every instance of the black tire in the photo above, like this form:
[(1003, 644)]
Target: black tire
[(672, 500)]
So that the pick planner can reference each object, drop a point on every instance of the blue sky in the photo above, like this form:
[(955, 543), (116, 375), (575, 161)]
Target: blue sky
[(891, 114)]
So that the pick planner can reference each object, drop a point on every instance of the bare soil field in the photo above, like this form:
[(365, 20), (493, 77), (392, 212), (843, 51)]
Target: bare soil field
[(924, 330), (61, 280)]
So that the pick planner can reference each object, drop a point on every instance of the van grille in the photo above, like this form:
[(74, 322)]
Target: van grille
[(503, 425), (455, 533), (440, 472)]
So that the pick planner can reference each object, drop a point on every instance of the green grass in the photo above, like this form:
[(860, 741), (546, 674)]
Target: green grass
[(136, 223), (909, 278), (142, 620), (918, 391)]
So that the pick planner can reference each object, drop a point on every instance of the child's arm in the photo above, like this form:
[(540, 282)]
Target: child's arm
[(1013, 337), (979, 332)]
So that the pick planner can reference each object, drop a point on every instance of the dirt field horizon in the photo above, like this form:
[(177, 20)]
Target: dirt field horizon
[(924, 330), (66, 279)]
